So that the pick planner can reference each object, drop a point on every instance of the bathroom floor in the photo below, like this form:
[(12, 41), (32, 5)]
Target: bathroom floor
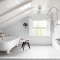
[(33, 52)]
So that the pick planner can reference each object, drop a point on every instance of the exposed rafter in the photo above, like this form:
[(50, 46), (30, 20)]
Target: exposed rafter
[(19, 5), (16, 15)]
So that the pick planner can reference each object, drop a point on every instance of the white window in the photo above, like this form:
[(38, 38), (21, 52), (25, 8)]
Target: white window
[(39, 27)]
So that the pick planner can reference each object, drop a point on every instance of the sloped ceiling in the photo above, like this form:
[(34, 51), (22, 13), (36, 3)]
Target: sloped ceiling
[(10, 9), (47, 4), (5, 5)]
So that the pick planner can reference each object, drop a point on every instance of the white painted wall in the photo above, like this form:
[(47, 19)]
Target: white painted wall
[(19, 30), (1, 30)]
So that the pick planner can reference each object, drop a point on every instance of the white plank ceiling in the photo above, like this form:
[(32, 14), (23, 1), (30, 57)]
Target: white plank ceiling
[(7, 4)]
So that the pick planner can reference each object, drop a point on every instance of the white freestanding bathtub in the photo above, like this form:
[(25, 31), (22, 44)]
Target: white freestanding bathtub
[(7, 43)]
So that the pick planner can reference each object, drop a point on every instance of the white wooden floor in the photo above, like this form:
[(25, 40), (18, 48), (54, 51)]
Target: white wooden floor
[(35, 53)]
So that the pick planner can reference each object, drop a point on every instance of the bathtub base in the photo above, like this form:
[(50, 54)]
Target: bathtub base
[(17, 45), (8, 51)]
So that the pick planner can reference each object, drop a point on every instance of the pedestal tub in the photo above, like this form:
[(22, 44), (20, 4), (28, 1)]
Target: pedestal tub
[(7, 43)]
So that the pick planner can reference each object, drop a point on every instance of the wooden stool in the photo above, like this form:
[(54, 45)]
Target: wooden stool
[(24, 43)]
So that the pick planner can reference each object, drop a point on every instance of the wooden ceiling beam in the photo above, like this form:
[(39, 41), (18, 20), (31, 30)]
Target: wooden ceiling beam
[(17, 6)]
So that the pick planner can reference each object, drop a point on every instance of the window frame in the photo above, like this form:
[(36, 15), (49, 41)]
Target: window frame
[(31, 28)]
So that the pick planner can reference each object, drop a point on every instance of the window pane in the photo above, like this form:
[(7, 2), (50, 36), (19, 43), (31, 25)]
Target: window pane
[(35, 23), (40, 32), (42, 23)]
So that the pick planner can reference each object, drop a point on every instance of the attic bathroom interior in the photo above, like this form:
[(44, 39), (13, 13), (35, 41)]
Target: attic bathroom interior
[(29, 29)]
